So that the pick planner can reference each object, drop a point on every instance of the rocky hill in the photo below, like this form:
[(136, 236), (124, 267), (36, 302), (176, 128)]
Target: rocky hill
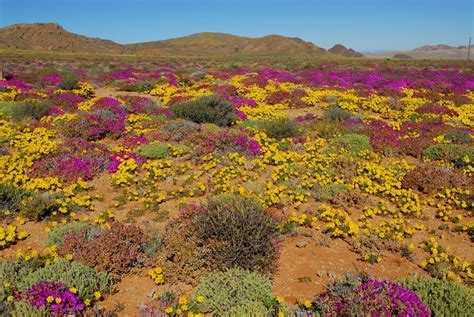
[(52, 37), (341, 50)]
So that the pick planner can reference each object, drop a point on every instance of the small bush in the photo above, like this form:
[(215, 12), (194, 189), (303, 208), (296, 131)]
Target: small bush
[(40, 206), (227, 292), (24, 308), (336, 114), (115, 250), (59, 233), (13, 272), (280, 129), (182, 130), (429, 178), (154, 150), (30, 109), (69, 82), (460, 137), (86, 280), (353, 143), (444, 298), (453, 153), (10, 198), (207, 109), (239, 233), (139, 87), (6, 107), (229, 231)]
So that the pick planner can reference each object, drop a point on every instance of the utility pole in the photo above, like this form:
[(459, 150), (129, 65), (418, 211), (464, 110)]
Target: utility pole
[(469, 49)]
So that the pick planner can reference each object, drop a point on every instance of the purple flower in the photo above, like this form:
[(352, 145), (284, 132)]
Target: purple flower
[(55, 296)]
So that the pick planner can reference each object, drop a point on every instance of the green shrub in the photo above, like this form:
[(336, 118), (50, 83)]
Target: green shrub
[(327, 193), (280, 129), (154, 150), (40, 206), (15, 271), (325, 129), (57, 235), (10, 198), (353, 143), (69, 82), (460, 137), (73, 274), (235, 290), (30, 109), (453, 153), (139, 87), (207, 109), (238, 233), (444, 298), (6, 107), (24, 308), (336, 114)]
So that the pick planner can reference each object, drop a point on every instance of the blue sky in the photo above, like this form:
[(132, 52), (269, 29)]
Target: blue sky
[(364, 25)]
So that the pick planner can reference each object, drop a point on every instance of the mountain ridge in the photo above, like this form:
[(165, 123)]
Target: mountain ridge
[(53, 37)]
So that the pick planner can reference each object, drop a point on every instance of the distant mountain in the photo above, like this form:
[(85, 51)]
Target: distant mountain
[(222, 44), (341, 50), (402, 56), (52, 37), (439, 51), (439, 47)]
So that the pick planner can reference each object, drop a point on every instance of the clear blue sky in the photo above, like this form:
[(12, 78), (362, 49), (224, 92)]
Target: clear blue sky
[(364, 25)]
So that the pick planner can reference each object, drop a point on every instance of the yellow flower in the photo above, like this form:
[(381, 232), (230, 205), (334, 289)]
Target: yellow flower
[(169, 310), (58, 300), (10, 298), (87, 302), (73, 290), (279, 299), (182, 300), (50, 299), (97, 295), (69, 257), (307, 304), (200, 299)]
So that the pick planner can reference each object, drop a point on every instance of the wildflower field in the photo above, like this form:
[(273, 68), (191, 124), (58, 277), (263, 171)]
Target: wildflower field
[(146, 188)]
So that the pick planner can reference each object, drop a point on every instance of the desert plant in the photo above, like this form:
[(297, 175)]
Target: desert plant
[(280, 129), (84, 279), (40, 206), (210, 109), (30, 109), (24, 308), (443, 297), (13, 272), (10, 198), (233, 290), (6, 107), (238, 232), (115, 250), (336, 114), (59, 233), (353, 143), (154, 150), (69, 82), (453, 153), (429, 178)]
